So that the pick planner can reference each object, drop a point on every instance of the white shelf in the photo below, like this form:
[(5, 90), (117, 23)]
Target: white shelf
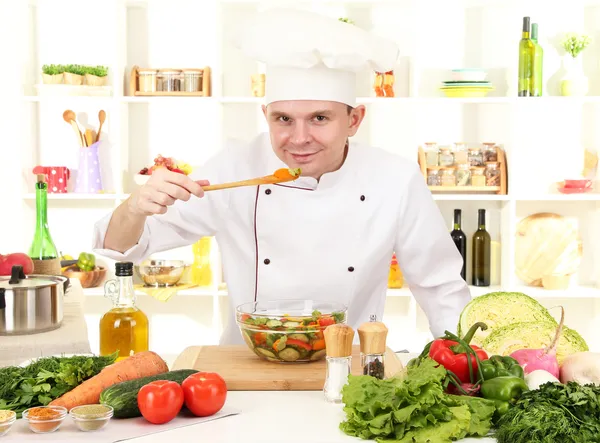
[(470, 197), (561, 197)]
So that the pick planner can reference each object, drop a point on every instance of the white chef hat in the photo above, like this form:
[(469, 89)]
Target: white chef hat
[(309, 56)]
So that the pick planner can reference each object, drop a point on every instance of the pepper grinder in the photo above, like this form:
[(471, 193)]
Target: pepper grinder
[(338, 345), (372, 337)]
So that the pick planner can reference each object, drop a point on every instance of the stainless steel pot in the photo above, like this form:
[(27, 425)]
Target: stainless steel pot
[(31, 304)]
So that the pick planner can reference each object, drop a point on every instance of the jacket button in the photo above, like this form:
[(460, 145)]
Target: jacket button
[(362, 198), (267, 261), (351, 269), (268, 192)]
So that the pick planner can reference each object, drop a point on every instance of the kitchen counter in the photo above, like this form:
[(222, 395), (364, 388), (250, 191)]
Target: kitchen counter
[(272, 417)]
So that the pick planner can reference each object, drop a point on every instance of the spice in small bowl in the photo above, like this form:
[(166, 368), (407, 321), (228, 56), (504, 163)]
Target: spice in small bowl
[(7, 418), (45, 419), (91, 417)]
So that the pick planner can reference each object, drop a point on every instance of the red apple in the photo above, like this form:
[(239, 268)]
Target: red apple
[(15, 259)]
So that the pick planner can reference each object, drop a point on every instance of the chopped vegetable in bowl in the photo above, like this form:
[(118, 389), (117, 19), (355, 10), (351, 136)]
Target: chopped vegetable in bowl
[(288, 330)]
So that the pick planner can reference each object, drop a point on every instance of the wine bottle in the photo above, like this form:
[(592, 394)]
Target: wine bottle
[(42, 246), (482, 252), (537, 77), (460, 240), (525, 60)]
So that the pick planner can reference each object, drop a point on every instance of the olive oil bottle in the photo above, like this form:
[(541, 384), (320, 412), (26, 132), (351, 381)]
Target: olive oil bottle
[(460, 240), (537, 66), (482, 252), (125, 327)]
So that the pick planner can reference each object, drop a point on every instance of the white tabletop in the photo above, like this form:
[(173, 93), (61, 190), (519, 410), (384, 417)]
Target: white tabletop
[(271, 417)]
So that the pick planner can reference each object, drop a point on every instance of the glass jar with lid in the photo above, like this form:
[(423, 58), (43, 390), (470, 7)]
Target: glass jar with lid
[(169, 80), (147, 80), (478, 176), (475, 157), (492, 174), (460, 153), (446, 157), (463, 174), (192, 80), (489, 152), (431, 154), (433, 176), (448, 176)]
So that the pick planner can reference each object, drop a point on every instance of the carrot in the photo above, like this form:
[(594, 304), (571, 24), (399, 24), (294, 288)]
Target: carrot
[(287, 173), (318, 345), (142, 364)]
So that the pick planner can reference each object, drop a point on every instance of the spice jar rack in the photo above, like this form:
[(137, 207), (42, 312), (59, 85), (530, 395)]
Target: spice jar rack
[(456, 169), (182, 82)]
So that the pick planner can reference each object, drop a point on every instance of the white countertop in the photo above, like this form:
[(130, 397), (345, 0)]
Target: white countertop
[(271, 417)]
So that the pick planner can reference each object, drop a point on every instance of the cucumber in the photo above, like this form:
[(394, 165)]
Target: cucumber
[(302, 337), (274, 324), (123, 396), (289, 354), (292, 324), (265, 352)]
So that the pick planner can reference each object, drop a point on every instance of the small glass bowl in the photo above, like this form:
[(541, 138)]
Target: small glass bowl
[(45, 426), (6, 424), (91, 422)]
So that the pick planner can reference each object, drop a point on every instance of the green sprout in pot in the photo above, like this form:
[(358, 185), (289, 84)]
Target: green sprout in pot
[(53, 69), (98, 71), (75, 69)]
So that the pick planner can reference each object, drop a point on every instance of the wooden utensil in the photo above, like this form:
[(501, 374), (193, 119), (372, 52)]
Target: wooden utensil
[(101, 118), (279, 176), (70, 117), (244, 371), (89, 137)]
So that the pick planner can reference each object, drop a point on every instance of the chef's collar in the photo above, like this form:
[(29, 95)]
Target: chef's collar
[(309, 56), (327, 180)]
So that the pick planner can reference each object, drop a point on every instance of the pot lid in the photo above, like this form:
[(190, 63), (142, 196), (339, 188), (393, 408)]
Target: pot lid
[(18, 280)]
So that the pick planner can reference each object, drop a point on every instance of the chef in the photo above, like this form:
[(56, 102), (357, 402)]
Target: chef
[(330, 234)]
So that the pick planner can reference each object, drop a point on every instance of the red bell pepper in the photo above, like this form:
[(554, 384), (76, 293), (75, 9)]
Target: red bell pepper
[(300, 343), (455, 358)]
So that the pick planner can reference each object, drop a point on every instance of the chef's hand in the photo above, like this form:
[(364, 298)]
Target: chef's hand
[(163, 189)]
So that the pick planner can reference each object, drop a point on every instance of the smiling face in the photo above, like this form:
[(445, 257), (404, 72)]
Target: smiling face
[(312, 135)]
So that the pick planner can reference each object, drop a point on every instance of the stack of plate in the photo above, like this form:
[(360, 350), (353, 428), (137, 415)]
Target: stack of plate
[(467, 83)]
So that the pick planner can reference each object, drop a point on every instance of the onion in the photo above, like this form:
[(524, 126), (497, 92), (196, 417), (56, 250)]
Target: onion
[(533, 359), (581, 367), (539, 377)]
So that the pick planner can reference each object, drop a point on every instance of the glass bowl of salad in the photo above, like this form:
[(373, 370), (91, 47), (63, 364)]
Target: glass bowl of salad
[(288, 330)]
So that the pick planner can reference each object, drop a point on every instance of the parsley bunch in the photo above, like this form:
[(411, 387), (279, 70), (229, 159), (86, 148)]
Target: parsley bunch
[(46, 379), (568, 413)]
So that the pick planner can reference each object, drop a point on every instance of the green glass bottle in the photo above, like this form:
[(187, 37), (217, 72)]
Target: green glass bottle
[(537, 78), (42, 247), (525, 60), (482, 253)]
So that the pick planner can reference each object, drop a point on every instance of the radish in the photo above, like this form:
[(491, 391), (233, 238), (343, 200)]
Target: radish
[(545, 359)]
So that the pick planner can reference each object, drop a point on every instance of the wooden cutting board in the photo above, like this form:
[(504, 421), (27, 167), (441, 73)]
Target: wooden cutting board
[(244, 371)]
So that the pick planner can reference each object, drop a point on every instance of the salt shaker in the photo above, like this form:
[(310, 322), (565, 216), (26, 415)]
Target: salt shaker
[(338, 344), (372, 337)]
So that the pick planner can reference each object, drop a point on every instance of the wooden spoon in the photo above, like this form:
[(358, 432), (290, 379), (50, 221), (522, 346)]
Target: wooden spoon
[(279, 176), (101, 118), (69, 117), (89, 137)]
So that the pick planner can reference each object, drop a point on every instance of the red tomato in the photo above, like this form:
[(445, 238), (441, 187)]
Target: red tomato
[(205, 393), (326, 321), (160, 401)]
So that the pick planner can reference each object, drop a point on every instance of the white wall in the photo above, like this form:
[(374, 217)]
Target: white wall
[(542, 137)]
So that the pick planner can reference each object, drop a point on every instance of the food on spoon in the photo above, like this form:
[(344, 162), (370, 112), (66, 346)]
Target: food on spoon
[(167, 162), (287, 338), (142, 364), (581, 367), (498, 309), (287, 173), (534, 335), (532, 359)]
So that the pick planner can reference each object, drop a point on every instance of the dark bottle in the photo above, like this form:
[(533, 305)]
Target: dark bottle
[(481, 253), (460, 240)]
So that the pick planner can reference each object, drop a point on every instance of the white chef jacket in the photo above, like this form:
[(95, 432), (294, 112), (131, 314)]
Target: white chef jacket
[(330, 241)]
